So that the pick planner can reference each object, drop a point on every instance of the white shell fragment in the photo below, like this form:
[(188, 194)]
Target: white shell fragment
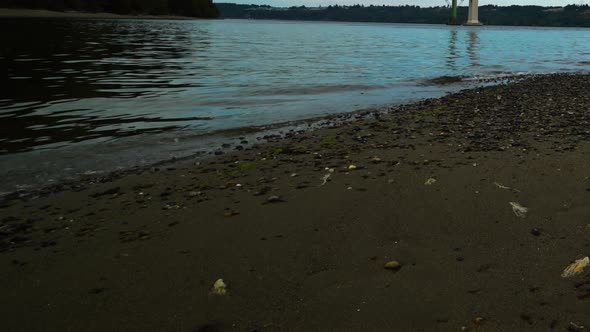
[(519, 210), (501, 186), (219, 287), (325, 179), (430, 181), (576, 267)]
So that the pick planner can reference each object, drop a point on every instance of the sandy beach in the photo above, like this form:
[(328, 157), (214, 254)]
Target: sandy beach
[(39, 13), (475, 202)]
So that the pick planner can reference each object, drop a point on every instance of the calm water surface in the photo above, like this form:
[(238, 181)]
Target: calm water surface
[(93, 95)]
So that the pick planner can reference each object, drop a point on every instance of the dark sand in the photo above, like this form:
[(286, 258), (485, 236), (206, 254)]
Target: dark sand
[(141, 252)]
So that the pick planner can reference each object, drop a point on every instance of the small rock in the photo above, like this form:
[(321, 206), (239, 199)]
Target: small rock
[(301, 185), (536, 231), (274, 199), (393, 265), (231, 213), (96, 290)]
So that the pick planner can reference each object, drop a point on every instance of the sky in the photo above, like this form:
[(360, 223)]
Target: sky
[(422, 3)]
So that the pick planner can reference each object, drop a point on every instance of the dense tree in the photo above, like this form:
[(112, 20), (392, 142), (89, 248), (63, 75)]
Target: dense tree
[(192, 8), (572, 15)]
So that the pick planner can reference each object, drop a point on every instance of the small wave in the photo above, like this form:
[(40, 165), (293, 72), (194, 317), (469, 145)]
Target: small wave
[(500, 76), (311, 89), (444, 80)]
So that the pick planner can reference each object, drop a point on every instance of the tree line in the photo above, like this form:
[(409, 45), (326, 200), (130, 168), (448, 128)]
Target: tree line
[(191, 8), (568, 16)]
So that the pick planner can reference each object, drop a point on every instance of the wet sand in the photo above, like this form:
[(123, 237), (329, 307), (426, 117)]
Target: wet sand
[(300, 227), (40, 13)]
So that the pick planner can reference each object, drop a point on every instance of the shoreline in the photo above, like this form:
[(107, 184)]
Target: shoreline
[(301, 227), (229, 140), (41, 13)]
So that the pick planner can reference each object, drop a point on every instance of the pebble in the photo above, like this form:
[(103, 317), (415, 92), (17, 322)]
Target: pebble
[(393, 265), (536, 231), (274, 199), (231, 213)]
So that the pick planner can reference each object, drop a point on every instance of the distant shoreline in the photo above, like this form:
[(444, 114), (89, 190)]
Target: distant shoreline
[(37, 13)]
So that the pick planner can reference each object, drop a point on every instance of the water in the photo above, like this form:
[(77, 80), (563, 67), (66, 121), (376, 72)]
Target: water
[(94, 95)]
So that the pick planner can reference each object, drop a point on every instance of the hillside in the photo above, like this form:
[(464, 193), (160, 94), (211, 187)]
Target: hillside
[(568, 16), (190, 8)]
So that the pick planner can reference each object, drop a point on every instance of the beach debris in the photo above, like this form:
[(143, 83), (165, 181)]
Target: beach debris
[(393, 265), (576, 267), (325, 179), (109, 192), (230, 213), (219, 287), (519, 210), (575, 327), (351, 167), (171, 207), (501, 186), (430, 182), (262, 191), (478, 321), (274, 199)]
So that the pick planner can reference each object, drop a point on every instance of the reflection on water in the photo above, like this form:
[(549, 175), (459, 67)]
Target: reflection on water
[(473, 47), (113, 85), (452, 54), (62, 76)]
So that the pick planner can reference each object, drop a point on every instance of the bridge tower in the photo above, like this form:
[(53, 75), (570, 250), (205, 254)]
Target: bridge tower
[(453, 20), (472, 18)]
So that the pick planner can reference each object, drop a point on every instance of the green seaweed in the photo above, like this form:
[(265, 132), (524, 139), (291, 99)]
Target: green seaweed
[(237, 170), (329, 140), (434, 111)]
